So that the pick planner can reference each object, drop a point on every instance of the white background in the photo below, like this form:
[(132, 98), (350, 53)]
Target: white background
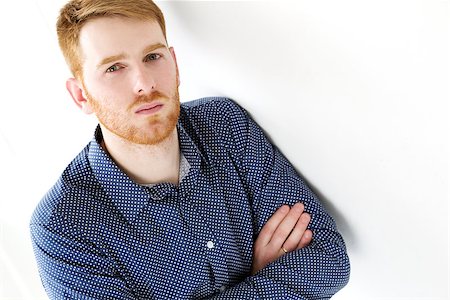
[(354, 92)]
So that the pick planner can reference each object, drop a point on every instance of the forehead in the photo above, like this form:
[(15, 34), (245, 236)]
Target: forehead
[(106, 36)]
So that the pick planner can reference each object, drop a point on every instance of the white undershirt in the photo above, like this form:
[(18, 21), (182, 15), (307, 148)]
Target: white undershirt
[(184, 170)]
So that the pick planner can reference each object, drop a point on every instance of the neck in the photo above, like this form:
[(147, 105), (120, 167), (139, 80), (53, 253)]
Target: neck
[(145, 163)]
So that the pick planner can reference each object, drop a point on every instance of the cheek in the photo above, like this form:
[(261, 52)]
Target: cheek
[(168, 80), (167, 73), (112, 92)]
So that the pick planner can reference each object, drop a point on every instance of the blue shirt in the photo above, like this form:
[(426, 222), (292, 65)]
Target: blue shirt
[(99, 235)]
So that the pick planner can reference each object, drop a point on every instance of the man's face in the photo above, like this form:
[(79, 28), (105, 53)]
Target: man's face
[(130, 78)]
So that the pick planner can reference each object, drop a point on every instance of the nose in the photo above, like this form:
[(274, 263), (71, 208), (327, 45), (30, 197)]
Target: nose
[(144, 81)]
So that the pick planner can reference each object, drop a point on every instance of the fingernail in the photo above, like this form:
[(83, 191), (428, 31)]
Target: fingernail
[(284, 208), (299, 206)]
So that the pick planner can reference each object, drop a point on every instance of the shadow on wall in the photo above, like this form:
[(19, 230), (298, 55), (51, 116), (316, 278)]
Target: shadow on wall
[(213, 14), (341, 223)]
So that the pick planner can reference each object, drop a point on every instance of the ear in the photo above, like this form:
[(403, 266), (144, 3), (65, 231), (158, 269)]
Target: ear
[(172, 52), (76, 91)]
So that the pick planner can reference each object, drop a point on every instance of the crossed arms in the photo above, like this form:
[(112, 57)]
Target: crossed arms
[(285, 231), (285, 215), (316, 264)]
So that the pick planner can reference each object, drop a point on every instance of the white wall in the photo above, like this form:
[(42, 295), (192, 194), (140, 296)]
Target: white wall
[(355, 93)]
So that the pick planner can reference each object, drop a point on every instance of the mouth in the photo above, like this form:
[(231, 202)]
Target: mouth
[(148, 109)]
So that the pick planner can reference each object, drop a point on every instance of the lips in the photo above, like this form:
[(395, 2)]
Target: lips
[(149, 108)]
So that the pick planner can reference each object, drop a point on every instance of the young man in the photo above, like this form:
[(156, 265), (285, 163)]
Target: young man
[(170, 201)]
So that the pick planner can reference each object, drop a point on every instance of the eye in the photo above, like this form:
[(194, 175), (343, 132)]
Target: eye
[(113, 68), (152, 56)]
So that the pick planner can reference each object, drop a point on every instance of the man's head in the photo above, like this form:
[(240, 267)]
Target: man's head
[(124, 71), (76, 13)]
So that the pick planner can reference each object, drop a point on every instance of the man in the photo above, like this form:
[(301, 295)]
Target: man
[(170, 201)]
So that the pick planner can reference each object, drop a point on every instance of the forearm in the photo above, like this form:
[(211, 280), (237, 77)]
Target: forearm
[(314, 272), (71, 268)]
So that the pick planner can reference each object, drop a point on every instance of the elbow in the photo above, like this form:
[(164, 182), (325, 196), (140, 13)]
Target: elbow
[(334, 268), (337, 270), (341, 272)]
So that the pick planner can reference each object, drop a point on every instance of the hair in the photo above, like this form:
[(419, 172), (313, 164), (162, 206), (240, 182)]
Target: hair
[(76, 13)]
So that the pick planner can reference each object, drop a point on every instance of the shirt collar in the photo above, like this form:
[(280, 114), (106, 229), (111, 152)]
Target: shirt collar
[(189, 148), (191, 145), (128, 196)]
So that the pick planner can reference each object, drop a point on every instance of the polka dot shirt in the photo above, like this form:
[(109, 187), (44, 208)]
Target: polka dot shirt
[(99, 235)]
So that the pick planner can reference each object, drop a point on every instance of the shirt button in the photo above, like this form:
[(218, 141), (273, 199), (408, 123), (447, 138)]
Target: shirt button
[(222, 288), (210, 244)]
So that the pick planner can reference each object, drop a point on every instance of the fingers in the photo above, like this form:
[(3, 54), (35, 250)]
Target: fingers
[(272, 224), (285, 231), (286, 228), (305, 240), (299, 236)]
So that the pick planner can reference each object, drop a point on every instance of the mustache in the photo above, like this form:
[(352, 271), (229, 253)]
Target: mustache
[(144, 99)]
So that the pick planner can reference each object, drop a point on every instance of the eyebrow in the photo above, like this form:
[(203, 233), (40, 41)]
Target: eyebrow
[(114, 58), (111, 59), (153, 48)]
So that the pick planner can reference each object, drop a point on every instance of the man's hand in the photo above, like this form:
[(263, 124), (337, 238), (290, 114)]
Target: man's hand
[(285, 231)]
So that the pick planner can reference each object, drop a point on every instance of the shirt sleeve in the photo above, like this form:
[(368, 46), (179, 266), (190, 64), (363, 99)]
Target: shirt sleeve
[(72, 267), (317, 271)]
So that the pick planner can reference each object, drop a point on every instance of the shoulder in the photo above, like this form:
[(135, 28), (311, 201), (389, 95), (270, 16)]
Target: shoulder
[(211, 107), (217, 124), (76, 184), (221, 114), (208, 102)]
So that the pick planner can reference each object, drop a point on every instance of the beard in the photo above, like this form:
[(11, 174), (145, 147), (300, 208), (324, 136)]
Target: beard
[(150, 130)]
